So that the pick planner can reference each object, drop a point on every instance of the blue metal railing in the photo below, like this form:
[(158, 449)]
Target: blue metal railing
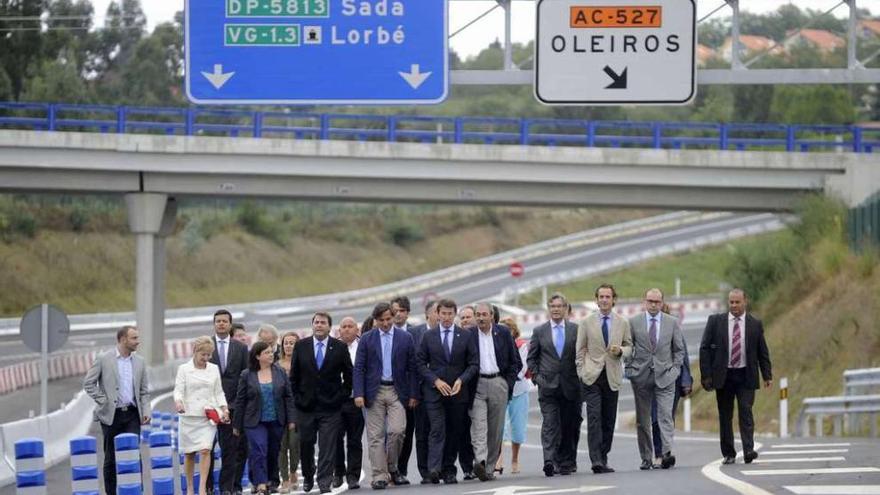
[(197, 121)]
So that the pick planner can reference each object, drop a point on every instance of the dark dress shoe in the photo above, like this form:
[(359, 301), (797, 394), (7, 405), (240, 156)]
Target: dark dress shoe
[(337, 481), (450, 480), (469, 475), (353, 483), (308, 485), (399, 479), (379, 485), (549, 470), (668, 461), (729, 460), (750, 456), (480, 471), (326, 489), (646, 466), (602, 469), (426, 481), (565, 471), (434, 476)]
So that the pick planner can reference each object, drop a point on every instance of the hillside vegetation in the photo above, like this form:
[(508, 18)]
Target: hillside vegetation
[(820, 303), (78, 254)]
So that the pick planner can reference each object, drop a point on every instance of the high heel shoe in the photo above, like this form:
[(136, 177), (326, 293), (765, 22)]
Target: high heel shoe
[(514, 468)]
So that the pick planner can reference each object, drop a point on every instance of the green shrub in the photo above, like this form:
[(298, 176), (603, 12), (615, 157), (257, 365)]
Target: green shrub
[(403, 233), (256, 220)]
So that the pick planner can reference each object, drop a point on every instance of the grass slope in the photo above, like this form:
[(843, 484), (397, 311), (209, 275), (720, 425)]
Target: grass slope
[(94, 271)]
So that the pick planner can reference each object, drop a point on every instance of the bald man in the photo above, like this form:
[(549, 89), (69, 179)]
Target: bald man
[(658, 352), (732, 351), (352, 420)]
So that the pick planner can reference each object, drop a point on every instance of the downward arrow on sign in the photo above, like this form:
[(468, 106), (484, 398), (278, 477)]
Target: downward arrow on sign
[(414, 77), (619, 79), (218, 78)]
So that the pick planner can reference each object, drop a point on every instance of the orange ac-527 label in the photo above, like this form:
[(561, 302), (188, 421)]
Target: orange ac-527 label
[(641, 16)]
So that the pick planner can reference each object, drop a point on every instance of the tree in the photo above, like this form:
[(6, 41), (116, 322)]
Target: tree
[(57, 81), (20, 40), (822, 104), (68, 26), (713, 32)]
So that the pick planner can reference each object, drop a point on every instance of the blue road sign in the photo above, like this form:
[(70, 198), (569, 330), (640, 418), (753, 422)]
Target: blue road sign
[(316, 51)]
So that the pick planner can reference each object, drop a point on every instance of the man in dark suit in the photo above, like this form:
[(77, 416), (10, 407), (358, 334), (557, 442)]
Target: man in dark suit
[(385, 384), (491, 389), (320, 378), (231, 356), (448, 361), (352, 450), (732, 351), (417, 424), (551, 363)]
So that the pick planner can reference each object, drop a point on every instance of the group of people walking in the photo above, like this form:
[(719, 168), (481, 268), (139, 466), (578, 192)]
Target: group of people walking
[(454, 386)]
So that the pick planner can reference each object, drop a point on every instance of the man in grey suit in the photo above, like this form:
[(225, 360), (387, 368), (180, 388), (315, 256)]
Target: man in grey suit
[(551, 363), (658, 351), (117, 382)]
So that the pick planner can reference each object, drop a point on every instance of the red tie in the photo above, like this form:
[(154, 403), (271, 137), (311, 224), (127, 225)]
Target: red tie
[(736, 345)]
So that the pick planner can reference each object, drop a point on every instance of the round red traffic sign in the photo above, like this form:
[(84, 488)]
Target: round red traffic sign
[(517, 269)]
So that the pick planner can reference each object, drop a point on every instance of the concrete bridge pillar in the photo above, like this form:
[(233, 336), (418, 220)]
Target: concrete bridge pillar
[(151, 219)]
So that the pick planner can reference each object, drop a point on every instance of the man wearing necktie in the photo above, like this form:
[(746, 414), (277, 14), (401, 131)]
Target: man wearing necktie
[(320, 379), (447, 360), (603, 339), (552, 365), (385, 384), (732, 351), (231, 356), (658, 352)]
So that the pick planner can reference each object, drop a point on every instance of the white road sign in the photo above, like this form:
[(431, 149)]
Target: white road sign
[(615, 52)]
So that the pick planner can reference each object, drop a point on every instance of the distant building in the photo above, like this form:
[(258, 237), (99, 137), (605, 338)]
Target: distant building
[(750, 44), (704, 54), (819, 39), (869, 28)]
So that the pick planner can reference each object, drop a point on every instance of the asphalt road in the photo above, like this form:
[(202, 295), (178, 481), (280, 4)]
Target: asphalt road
[(829, 466)]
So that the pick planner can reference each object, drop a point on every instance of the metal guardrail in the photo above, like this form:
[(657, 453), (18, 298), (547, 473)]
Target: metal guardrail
[(847, 411), (854, 380), (275, 308), (839, 408), (239, 122)]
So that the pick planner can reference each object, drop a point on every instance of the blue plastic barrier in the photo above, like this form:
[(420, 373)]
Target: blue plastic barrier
[(161, 463), (128, 464), (30, 467), (84, 465)]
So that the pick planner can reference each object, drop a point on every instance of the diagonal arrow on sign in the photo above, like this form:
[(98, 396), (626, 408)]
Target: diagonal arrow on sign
[(619, 80)]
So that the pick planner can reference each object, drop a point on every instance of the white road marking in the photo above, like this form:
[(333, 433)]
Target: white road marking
[(834, 489), (713, 472), (789, 472), (799, 459), (808, 445), (801, 452)]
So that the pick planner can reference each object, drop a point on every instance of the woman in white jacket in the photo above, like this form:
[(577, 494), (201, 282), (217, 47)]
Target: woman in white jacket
[(197, 389)]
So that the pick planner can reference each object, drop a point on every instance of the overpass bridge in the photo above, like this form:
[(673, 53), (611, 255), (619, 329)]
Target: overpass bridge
[(170, 159)]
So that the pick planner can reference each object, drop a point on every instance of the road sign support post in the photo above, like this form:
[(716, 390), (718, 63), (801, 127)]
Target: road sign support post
[(783, 408), (44, 359)]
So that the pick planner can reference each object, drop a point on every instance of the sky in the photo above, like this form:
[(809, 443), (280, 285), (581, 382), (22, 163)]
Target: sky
[(476, 37)]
